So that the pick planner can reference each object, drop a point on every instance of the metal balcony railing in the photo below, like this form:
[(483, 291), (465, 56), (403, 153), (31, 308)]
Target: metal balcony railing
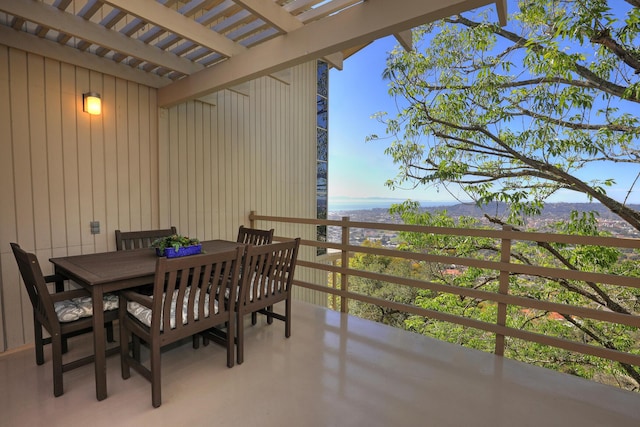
[(504, 268)]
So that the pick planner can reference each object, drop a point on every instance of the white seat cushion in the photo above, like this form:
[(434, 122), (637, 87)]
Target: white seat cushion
[(76, 308), (143, 314)]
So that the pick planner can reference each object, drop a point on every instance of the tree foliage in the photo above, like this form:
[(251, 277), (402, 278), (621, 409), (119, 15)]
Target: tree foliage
[(391, 266), (573, 292), (517, 114)]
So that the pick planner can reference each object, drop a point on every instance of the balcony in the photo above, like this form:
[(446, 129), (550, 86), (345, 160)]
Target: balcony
[(335, 370), (339, 370)]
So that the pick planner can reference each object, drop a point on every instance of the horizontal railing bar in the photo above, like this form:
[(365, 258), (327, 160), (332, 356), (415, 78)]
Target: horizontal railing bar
[(319, 288), (619, 242), (607, 316), (615, 355), (538, 271)]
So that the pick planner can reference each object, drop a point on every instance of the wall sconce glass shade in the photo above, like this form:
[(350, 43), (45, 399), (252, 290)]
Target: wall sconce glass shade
[(91, 103)]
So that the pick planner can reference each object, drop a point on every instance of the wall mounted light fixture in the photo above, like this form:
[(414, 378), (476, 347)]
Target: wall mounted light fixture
[(91, 103)]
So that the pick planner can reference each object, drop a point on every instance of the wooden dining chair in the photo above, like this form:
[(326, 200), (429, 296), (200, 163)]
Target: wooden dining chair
[(63, 314), (254, 236), (140, 239), (126, 240), (266, 277), (248, 236), (189, 297)]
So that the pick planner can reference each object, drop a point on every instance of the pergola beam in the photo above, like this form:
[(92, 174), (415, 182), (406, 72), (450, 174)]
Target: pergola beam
[(360, 24), (405, 38), (285, 23)]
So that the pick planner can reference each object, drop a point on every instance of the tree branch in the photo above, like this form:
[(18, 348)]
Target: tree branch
[(556, 174), (578, 126), (597, 82), (603, 37)]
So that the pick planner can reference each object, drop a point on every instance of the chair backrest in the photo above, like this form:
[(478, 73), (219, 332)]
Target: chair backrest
[(254, 236), (140, 239), (39, 296), (195, 289), (267, 272)]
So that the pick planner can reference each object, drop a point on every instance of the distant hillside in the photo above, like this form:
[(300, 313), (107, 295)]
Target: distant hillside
[(553, 213), (551, 210), (556, 210)]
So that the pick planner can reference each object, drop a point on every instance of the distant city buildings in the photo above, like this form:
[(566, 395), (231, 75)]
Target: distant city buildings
[(556, 213)]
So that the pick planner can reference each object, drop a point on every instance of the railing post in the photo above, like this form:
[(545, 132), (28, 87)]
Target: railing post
[(344, 278), (334, 285), (252, 222), (503, 288)]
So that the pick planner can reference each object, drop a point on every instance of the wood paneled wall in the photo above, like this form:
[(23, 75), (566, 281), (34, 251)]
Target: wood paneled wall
[(199, 166), (243, 152), (61, 168)]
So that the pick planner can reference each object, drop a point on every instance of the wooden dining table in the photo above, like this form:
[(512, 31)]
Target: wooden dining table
[(105, 272)]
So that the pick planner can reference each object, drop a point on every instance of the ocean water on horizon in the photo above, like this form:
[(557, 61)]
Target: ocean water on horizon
[(365, 204)]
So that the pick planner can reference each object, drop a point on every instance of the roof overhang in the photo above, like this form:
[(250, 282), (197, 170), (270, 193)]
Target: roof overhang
[(189, 49)]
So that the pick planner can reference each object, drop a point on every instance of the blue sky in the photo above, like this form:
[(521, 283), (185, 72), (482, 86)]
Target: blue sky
[(359, 169)]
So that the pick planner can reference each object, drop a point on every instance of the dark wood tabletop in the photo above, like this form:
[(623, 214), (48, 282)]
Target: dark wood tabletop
[(121, 269), (112, 271)]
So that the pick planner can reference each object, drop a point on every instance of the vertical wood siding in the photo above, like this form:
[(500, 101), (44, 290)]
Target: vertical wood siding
[(61, 168), (199, 166), (243, 152)]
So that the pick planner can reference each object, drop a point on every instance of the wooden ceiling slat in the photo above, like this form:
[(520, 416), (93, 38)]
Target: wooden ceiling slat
[(62, 4), (326, 10), (17, 23), (166, 18), (41, 31), (298, 6), (270, 12), (90, 9), (115, 16)]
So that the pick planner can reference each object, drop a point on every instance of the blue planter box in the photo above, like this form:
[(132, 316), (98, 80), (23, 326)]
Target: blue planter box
[(184, 251)]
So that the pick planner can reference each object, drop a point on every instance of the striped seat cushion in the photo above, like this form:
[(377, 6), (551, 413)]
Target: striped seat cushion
[(143, 314)]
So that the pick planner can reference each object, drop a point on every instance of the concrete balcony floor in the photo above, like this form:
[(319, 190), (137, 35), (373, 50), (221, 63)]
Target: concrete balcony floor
[(335, 370)]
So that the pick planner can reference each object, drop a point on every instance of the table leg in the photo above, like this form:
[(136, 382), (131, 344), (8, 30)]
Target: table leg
[(99, 347)]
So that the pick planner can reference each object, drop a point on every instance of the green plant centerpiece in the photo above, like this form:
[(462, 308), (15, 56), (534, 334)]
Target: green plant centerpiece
[(176, 246)]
